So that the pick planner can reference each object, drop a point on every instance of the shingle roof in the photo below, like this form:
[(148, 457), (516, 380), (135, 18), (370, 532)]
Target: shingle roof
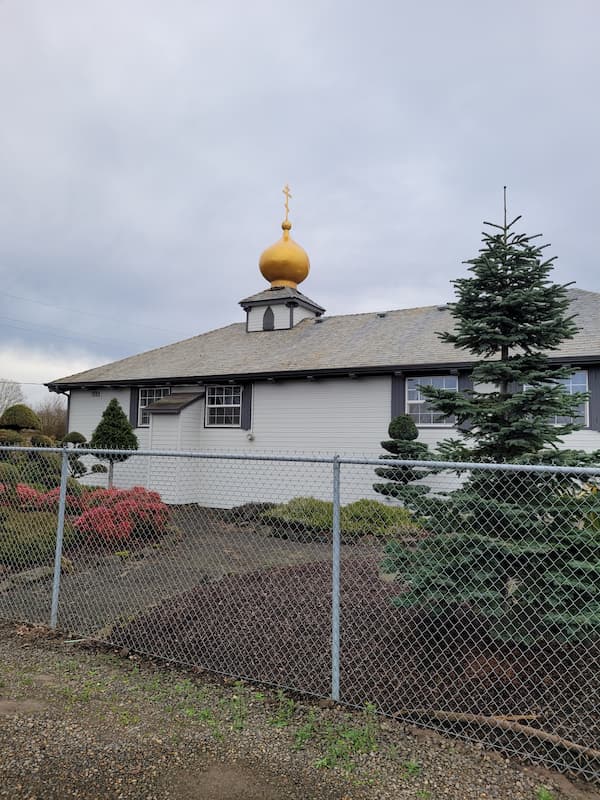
[(403, 338), (279, 293)]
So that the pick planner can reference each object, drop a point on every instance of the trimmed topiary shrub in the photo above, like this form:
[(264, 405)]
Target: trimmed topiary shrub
[(9, 474), (28, 538), (403, 427), (39, 440), (403, 447), (74, 437), (20, 417), (10, 437), (41, 469)]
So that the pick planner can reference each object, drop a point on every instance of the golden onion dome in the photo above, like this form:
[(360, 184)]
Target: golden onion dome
[(285, 263)]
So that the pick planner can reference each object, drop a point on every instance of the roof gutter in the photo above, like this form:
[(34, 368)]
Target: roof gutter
[(336, 372)]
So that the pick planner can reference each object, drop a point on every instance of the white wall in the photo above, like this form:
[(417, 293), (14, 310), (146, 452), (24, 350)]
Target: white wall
[(85, 410), (322, 416), (587, 440), (344, 416), (289, 417), (301, 313), (281, 314)]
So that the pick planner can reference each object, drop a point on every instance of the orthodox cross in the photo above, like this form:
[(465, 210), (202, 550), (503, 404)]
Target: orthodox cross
[(288, 194)]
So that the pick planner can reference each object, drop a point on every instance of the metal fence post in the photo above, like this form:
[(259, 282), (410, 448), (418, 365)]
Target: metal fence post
[(335, 589), (60, 526)]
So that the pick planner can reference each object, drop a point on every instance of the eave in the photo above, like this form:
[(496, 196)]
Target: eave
[(336, 372)]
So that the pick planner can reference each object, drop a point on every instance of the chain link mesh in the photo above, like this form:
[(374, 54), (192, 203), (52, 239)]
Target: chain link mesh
[(469, 600)]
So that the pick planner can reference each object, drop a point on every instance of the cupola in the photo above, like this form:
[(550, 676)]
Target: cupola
[(284, 264)]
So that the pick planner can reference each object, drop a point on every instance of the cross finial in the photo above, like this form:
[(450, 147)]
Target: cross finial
[(288, 194)]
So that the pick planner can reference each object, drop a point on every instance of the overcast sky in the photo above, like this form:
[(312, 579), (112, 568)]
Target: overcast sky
[(144, 145)]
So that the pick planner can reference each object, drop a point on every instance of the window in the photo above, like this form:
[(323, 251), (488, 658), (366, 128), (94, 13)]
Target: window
[(575, 383), (417, 406), (148, 396), (224, 406), (269, 320)]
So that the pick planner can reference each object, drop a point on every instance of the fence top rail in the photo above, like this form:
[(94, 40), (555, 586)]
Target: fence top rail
[(453, 466)]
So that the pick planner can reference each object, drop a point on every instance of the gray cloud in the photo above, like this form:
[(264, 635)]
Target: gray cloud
[(144, 146)]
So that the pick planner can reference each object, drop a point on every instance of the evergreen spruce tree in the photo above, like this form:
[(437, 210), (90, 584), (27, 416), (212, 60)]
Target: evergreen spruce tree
[(510, 315), (521, 550), (114, 431)]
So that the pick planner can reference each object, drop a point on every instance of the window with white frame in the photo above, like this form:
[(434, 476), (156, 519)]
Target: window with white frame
[(575, 383), (147, 397), (223, 406), (419, 408)]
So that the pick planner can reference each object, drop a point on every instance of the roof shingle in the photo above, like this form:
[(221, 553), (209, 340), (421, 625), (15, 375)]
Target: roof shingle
[(405, 337)]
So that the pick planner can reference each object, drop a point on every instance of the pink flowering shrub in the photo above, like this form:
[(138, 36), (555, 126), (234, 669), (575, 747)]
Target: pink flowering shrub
[(111, 515), (114, 515), (27, 497)]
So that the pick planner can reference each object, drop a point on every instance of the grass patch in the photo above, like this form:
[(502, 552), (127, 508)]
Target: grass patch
[(346, 740), (285, 710)]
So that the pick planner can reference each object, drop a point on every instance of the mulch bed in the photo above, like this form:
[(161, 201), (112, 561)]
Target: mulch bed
[(273, 626)]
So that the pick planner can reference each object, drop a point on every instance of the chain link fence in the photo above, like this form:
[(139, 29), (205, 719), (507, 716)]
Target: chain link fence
[(459, 597)]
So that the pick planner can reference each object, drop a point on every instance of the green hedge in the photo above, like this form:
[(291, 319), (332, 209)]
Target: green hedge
[(307, 515)]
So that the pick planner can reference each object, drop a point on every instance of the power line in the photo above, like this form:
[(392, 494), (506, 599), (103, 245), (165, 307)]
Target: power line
[(86, 313), (49, 331), (22, 383)]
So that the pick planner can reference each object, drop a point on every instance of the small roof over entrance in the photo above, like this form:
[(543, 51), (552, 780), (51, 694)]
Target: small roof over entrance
[(173, 403)]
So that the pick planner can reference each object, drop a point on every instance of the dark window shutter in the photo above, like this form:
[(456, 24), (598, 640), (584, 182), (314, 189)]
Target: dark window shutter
[(134, 402), (465, 381), (269, 320), (398, 395), (594, 398), (246, 415)]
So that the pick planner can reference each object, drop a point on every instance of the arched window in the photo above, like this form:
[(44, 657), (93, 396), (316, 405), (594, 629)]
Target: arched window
[(269, 320)]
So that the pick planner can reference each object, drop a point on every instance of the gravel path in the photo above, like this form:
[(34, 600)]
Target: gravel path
[(77, 723)]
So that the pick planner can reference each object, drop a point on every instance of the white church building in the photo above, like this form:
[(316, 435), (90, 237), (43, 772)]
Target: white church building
[(290, 379)]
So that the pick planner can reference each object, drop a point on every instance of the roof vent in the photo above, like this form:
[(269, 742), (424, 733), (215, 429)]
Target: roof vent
[(381, 314)]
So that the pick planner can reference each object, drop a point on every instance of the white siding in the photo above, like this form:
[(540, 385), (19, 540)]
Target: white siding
[(288, 417), (297, 417), (301, 313), (85, 410), (327, 416), (587, 440), (281, 314)]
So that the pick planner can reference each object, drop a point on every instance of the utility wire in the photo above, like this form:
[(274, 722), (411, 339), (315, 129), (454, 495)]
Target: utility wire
[(10, 323), (86, 313), (22, 383)]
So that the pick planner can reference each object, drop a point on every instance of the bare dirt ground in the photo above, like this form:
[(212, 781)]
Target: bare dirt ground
[(82, 722)]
